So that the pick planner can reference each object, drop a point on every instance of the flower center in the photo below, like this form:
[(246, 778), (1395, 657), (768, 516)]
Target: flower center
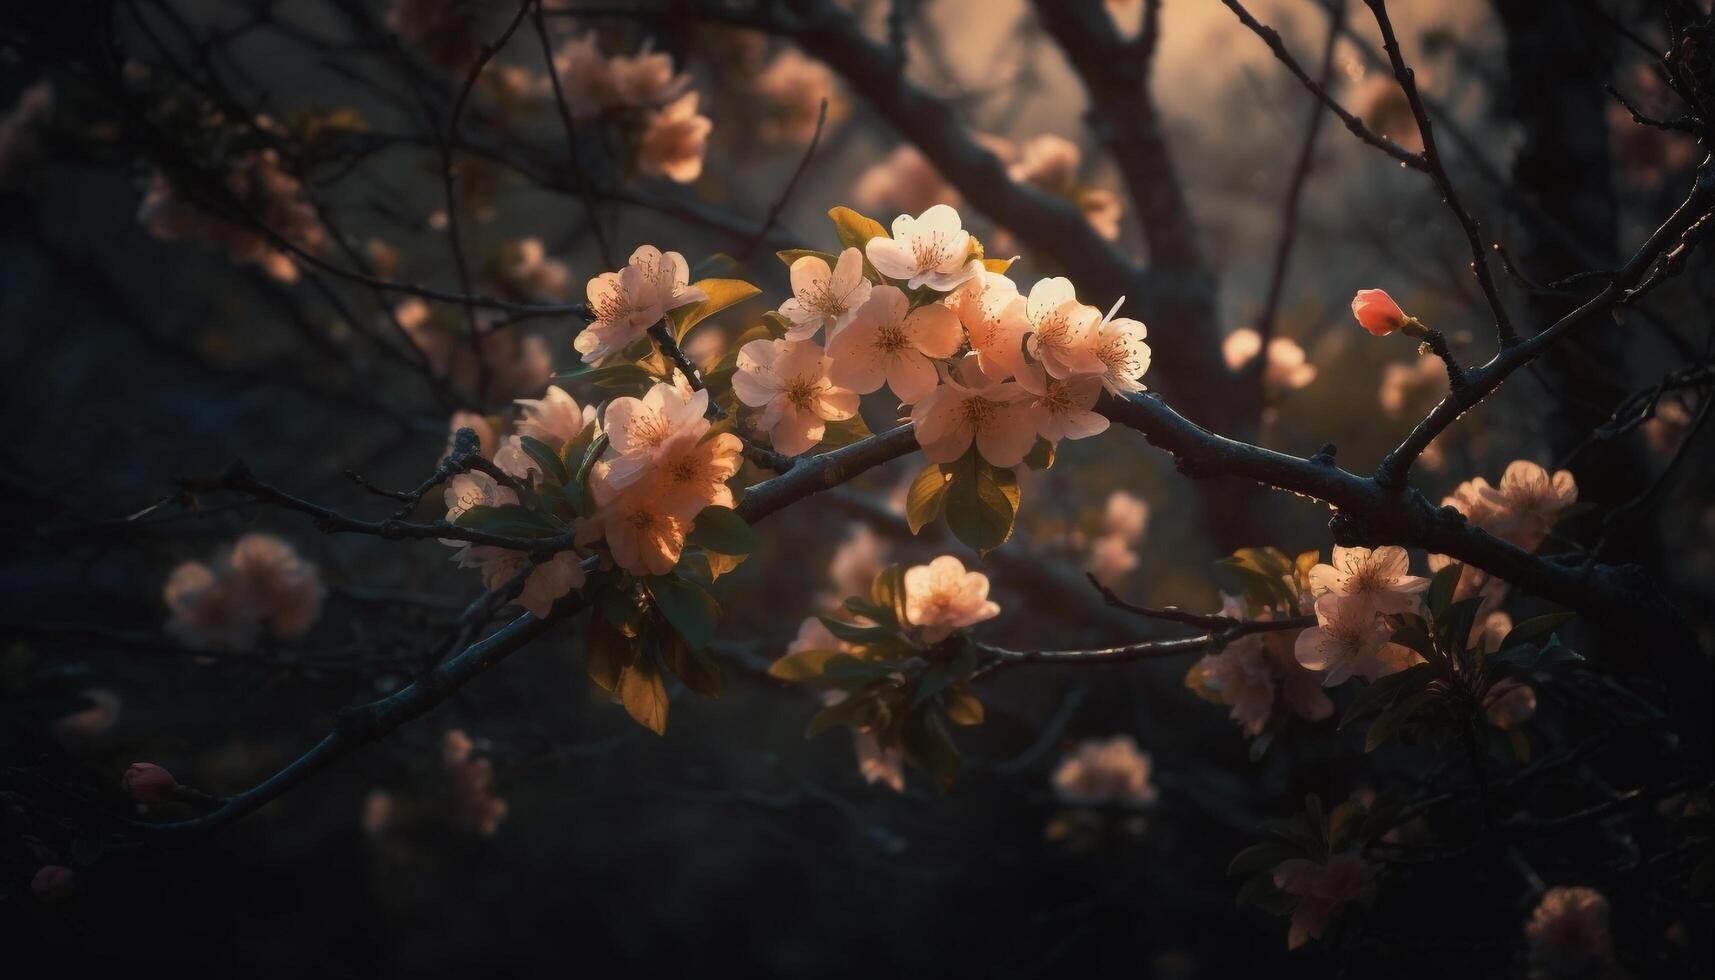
[(928, 250), (641, 520), (801, 393), (978, 412), (891, 338), (647, 430), (821, 299)]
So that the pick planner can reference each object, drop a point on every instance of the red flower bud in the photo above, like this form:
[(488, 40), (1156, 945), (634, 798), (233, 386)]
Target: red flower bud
[(146, 782), (54, 883), (1377, 312)]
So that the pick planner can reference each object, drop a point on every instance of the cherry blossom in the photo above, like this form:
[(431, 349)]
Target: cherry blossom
[(644, 537), (1102, 209), (942, 596), (1102, 772), (1259, 676), (260, 581), (1380, 577), (1319, 890), (857, 560), (1286, 368), (1118, 344), (585, 80), (638, 428), (548, 581), (932, 249), (824, 298), (970, 408), (1061, 330), (1568, 933), (1348, 640), (692, 471), (793, 87), (527, 271), (282, 587), (888, 341), (1529, 502), (992, 313), (555, 419), (1062, 409), (905, 180), (208, 612), (674, 141), (1110, 559), (628, 302), (1048, 161), (876, 763), (1125, 515), (475, 804), (90, 722), (645, 79), (790, 383)]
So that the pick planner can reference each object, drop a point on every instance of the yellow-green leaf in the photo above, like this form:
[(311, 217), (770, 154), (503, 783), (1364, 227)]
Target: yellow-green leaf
[(855, 230), (801, 665), (721, 294), (645, 695), (982, 502), (927, 494), (963, 708)]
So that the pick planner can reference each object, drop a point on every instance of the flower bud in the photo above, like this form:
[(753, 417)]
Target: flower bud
[(54, 883), (146, 782), (1378, 313)]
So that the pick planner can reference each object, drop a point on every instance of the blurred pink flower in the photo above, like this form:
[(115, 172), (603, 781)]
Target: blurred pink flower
[(1100, 772)]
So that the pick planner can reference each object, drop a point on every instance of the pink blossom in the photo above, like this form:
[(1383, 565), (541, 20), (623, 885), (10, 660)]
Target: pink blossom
[(942, 597), (146, 782), (970, 408), (1320, 889), (887, 341), (791, 383), (1100, 772), (1377, 313)]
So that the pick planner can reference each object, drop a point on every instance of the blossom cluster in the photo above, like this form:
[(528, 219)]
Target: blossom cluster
[(919, 312), (260, 583), (1522, 509), (1258, 676), (648, 100), (264, 189)]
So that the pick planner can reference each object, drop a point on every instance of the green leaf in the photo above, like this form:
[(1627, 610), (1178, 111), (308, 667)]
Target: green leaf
[(963, 707), (1042, 455), (854, 711), (694, 667), (791, 255), (1441, 589), (928, 493), (722, 293), (981, 502), (801, 665), (1377, 695), (513, 520), (839, 434), (721, 530), (607, 653), (887, 590), (645, 695), (614, 379), (688, 607), (855, 634), (578, 491), (547, 459), (1536, 629), (855, 230), (1262, 857)]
